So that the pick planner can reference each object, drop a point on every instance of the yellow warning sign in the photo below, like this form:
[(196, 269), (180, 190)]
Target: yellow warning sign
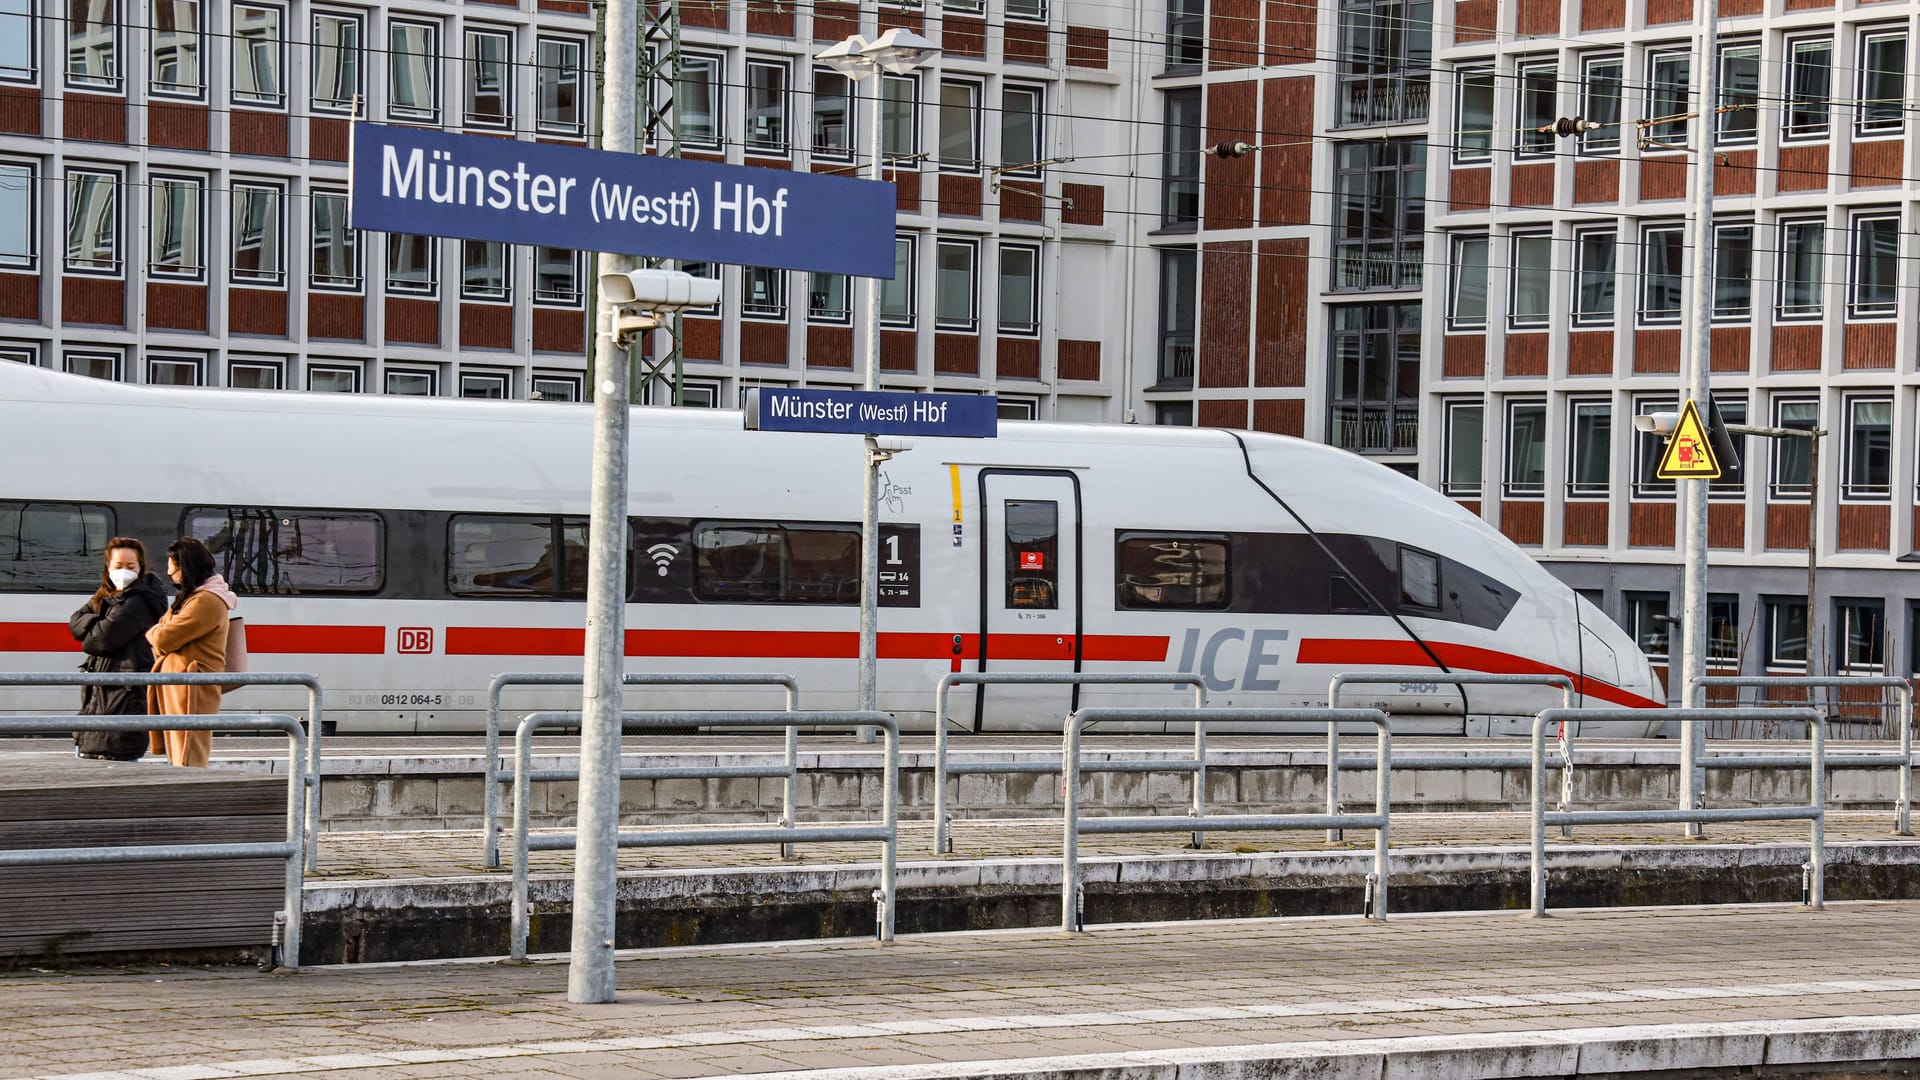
[(1689, 453)]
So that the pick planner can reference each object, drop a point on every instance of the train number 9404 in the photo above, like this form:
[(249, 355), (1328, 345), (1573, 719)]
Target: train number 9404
[(1419, 688)]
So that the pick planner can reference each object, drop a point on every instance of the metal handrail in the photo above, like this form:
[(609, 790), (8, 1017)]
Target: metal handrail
[(1072, 906), (495, 776), (291, 850), (942, 769), (887, 832), (1816, 812), (213, 678)]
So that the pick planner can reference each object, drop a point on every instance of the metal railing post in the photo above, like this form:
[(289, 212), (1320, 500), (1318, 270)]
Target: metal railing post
[(1382, 797), (1070, 827), (1817, 838), (1537, 819), (522, 821), (1199, 778), (890, 820)]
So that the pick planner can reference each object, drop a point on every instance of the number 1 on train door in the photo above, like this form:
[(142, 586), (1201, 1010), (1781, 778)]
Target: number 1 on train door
[(1031, 603)]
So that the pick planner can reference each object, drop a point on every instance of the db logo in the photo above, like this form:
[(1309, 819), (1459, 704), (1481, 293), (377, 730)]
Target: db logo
[(1033, 560), (416, 639)]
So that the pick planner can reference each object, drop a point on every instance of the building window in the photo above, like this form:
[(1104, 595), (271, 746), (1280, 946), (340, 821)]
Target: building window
[(413, 71), (709, 271), (93, 44), (1663, 256), (1029, 10), (1460, 466), (174, 226), (28, 355), (489, 79), (1649, 622), (488, 385), (766, 108), (1733, 272), (1467, 297), (1375, 401), (1875, 283), (334, 378), (1019, 289), (897, 294), (1594, 301), (549, 386), (1859, 635), (18, 34), (1648, 449), (1530, 279), (1386, 49), (1186, 33), (1737, 121), (1723, 630), (1869, 462), (1803, 246), (1669, 82), (94, 364), (1380, 196), (1020, 127), (176, 49), (955, 295), (1016, 408), (1536, 106), (763, 292), (173, 370), (899, 116), (556, 277), (483, 270), (832, 116), (93, 222), (1473, 115), (257, 61), (1793, 458), (1179, 293), (1180, 161), (1590, 460), (959, 126), (1601, 81), (697, 97), (1732, 481), (413, 265), (827, 298), (336, 61), (336, 246), (557, 80), (412, 382), (19, 235), (1526, 449), (1883, 76), (1786, 632), (254, 374), (1809, 88), (257, 229)]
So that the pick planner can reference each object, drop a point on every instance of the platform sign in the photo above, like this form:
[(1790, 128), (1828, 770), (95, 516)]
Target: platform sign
[(872, 412), (1690, 454), (430, 183)]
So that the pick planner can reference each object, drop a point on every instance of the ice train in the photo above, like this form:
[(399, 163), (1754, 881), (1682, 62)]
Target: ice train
[(405, 550)]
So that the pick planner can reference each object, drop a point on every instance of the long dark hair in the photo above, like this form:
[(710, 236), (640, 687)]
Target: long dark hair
[(106, 583), (196, 566)]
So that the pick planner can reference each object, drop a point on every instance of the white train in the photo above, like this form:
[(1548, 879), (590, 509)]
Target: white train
[(405, 550)]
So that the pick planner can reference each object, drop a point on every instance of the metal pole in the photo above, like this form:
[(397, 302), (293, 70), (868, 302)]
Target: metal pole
[(1813, 536), (590, 977), (1382, 794), (1903, 817), (1537, 826), (869, 347), (1199, 778), (1817, 856), (1070, 837)]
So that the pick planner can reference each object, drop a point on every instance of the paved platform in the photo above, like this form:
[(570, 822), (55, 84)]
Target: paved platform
[(1615, 992)]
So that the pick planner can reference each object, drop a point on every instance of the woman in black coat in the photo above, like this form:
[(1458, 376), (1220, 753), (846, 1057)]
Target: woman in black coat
[(112, 630)]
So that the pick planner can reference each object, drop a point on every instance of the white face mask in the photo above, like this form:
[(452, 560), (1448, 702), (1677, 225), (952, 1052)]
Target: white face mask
[(123, 578)]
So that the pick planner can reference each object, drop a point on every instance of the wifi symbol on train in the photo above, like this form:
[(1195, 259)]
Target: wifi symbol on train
[(663, 556)]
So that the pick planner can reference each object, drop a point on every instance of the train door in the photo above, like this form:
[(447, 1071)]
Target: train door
[(1030, 596)]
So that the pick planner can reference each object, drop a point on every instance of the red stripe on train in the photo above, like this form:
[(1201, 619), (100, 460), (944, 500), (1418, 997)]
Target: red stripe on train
[(800, 644), (1369, 653), (325, 640)]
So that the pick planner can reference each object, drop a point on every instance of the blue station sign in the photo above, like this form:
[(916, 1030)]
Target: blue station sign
[(872, 412), (474, 187)]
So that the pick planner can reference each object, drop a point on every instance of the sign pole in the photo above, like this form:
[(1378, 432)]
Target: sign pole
[(590, 978), (1693, 493), (870, 512)]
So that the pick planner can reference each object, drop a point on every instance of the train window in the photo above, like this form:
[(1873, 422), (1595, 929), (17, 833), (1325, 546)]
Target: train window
[(501, 556), (1033, 554), (262, 550), (773, 564), (1344, 597), (1157, 572), (1419, 579), (573, 559), (53, 547)]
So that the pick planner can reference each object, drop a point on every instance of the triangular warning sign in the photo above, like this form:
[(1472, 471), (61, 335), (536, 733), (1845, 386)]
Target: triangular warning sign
[(1689, 453)]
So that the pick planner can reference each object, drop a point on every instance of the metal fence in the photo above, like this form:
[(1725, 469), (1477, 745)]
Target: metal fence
[(944, 768), (495, 776), (887, 832), (1815, 812), (1072, 905), (311, 809), (287, 927)]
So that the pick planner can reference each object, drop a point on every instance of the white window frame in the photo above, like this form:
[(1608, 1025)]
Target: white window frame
[(430, 112), (274, 100), (431, 375), (1515, 318), (118, 258), (1010, 407), (195, 361), (328, 104), (774, 310), (1024, 166), (782, 147), (1666, 317), (115, 80), (575, 299), (275, 275), (1648, 449), (501, 380), (1788, 131), (28, 35), (1723, 121), (194, 91), (1582, 316), (716, 68), (942, 246), (470, 65), (357, 282), (848, 125), (1777, 489), (1449, 448), (355, 371), (1722, 315), (277, 368), (1030, 328), (1858, 310), (1845, 609), (973, 91), (114, 356), (197, 185), (1512, 488), (1528, 142), (582, 86), (1815, 310), (841, 316), (1604, 140), (1881, 127), (21, 354), (1851, 492), (1456, 321), (488, 294), (912, 82), (906, 262), (542, 381), (1578, 490), (1668, 141), (1464, 154), (402, 287), (1026, 10), (1774, 607)]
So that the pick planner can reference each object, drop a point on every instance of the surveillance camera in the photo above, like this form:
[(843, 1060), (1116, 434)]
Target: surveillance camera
[(888, 444), (659, 290), (1659, 423)]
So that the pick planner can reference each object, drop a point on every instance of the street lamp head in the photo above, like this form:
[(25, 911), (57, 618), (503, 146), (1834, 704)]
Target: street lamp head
[(1659, 423), (844, 57), (900, 50)]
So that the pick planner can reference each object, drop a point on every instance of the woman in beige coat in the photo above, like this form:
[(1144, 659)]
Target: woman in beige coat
[(191, 636)]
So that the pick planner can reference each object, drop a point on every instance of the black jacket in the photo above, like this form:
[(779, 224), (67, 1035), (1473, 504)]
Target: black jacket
[(115, 640)]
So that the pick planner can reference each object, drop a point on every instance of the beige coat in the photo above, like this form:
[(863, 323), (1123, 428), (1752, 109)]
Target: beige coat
[(191, 639)]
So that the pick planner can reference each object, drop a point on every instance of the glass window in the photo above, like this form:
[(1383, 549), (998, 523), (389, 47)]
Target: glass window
[(93, 44), (498, 555), (53, 547), (257, 42), (413, 264), (1033, 554), (175, 370), (1180, 159), (336, 247), (1649, 622), (897, 292), (17, 37), (1860, 632), (1590, 462), (173, 227), (1663, 266), (489, 79), (550, 387), (1473, 115), (1601, 80), (556, 277), (1179, 290), (1526, 449), (832, 115), (1786, 633), (1869, 464), (1669, 82), (768, 563), (954, 292), (333, 378), (899, 111), (483, 270), (1466, 439), (1803, 246), (1186, 33), (1374, 407), (1809, 87), (257, 229), (1793, 458), (1530, 280), (1723, 630), (1732, 482), (491, 385), (413, 71), (766, 107), (1874, 289), (1419, 579), (1883, 75), (1537, 105), (336, 60), (1739, 118), (696, 100), (1033, 10), (176, 48), (557, 80), (1593, 299), (827, 298), (763, 292), (1019, 289), (1386, 49), (18, 247), (1162, 572), (1648, 449), (1467, 299), (253, 375), (1020, 127), (1380, 203), (94, 365), (412, 383), (93, 222), (1733, 271), (959, 125), (260, 550)]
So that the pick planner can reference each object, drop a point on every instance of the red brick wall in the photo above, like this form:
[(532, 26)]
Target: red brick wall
[(1026, 43), (20, 297), (1537, 18), (1231, 117), (1526, 354), (763, 343), (1282, 416), (559, 330), (1233, 34), (486, 326), (261, 311), (1222, 414), (1661, 12), (959, 195), (1877, 163), (337, 316), (1020, 201), (1656, 352), (1089, 204), (1469, 189), (1590, 352), (1733, 173), (1869, 346), (1523, 522), (1796, 347), (1726, 525), (20, 110), (1602, 15), (1533, 184), (1291, 27), (1732, 348), (1584, 524), (179, 125), (1016, 358), (1863, 527), (1286, 162), (93, 301), (1802, 168), (327, 140), (1596, 181), (899, 350), (1786, 526), (414, 321), (1475, 20), (1650, 524), (95, 118), (1280, 331), (830, 347), (1663, 178), (1464, 356), (1087, 47), (956, 354), (1078, 360), (700, 339), (259, 134), (961, 36), (1226, 281), (176, 306)]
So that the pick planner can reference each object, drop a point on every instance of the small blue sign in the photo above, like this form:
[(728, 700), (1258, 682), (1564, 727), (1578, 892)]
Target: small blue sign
[(430, 183), (873, 412)]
